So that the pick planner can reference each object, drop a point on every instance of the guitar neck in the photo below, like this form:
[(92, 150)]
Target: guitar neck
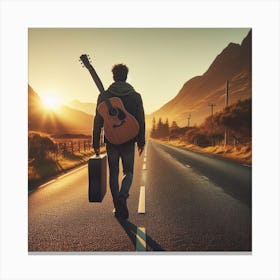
[(96, 79), (99, 85)]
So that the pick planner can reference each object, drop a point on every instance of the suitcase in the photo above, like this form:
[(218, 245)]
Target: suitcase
[(97, 178)]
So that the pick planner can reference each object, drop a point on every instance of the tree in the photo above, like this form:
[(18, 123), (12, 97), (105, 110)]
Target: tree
[(174, 126), (153, 131), (159, 128), (166, 128), (40, 147)]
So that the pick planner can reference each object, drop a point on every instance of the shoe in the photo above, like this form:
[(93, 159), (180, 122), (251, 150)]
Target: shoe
[(122, 208), (118, 215)]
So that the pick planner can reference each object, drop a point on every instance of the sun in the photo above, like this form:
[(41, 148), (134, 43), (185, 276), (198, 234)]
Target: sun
[(51, 102)]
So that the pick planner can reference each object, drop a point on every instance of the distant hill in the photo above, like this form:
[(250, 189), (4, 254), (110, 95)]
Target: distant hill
[(60, 121), (85, 107), (233, 64)]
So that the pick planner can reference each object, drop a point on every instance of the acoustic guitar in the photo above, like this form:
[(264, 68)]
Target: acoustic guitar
[(119, 125)]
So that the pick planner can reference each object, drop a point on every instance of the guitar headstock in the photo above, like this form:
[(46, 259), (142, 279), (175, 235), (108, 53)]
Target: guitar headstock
[(85, 60)]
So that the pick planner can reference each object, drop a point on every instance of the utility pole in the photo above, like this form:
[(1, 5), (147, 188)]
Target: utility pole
[(189, 117), (227, 98), (212, 112), (212, 109)]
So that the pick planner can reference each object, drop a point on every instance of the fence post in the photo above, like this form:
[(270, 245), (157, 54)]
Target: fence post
[(72, 147), (64, 149)]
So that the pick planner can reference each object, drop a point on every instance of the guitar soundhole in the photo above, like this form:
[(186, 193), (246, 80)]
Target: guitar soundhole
[(121, 115), (117, 112), (113, 112)]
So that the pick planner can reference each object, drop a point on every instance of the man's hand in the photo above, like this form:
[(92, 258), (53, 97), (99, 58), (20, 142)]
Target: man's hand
[(140, 150), (97, 151)]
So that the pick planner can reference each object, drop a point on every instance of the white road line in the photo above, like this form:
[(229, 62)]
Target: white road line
[(60, 177), (205, 178), (144, 166), (145, 151), (187, 165), (141, 204), (71, 172), (141, 239), (49, 182), (145, 159)]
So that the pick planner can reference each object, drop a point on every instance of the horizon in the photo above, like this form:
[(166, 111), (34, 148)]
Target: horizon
[(63, 79)]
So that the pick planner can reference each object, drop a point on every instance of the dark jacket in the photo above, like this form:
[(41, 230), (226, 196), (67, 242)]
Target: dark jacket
[(132, 102)]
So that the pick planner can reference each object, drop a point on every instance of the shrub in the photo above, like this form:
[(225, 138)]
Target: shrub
[(40, 147)]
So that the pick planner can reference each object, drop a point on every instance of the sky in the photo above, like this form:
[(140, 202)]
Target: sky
[(160, 60)]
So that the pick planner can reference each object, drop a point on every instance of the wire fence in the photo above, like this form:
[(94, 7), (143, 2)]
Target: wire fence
[(64, 148), (42, 150)]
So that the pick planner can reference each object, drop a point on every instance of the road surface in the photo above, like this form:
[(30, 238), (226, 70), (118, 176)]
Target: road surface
[(189, 202)]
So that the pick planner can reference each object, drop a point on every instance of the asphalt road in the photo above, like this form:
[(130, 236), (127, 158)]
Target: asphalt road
[(193, 203)]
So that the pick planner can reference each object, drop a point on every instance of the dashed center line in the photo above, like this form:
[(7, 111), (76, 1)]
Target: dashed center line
[(140, 239), (187, 165), (145, 152), (141, 204), (141, 231), (205, 178)]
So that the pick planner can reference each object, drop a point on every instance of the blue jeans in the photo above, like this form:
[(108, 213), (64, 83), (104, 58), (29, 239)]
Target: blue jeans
[(125, 152)]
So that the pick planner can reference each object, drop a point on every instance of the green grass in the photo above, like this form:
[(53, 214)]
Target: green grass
[(40, 172)]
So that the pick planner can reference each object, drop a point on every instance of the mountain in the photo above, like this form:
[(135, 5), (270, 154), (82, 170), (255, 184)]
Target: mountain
[(60, 121), (85, 107), (232, 64)]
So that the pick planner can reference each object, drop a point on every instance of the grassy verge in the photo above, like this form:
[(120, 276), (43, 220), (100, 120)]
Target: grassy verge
[(43, 171), (242, 154)]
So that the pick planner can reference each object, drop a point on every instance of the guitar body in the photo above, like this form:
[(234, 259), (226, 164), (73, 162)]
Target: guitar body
[(119, 125)]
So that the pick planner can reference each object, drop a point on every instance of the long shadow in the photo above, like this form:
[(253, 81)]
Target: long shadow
[(131, 231)]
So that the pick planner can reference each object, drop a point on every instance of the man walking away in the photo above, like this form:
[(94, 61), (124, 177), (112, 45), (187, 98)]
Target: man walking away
[(133, 104)]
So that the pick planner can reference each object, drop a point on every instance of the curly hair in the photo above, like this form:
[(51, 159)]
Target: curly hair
[(120, 72)]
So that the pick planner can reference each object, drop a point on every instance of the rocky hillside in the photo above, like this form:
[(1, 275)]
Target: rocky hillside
[(232, 64)]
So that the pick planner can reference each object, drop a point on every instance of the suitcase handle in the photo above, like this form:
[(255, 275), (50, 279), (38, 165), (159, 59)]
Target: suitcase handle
[(99, 155)]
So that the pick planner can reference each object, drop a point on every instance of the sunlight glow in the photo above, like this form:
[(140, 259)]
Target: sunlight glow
[(50, 101)]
